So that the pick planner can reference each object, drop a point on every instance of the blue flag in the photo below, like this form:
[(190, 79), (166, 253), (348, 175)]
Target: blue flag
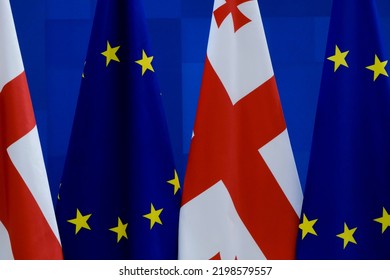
[(120, 194), (346, 202)]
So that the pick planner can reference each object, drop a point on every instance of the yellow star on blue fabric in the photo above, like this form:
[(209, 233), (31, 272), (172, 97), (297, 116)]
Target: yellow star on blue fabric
[(110, 53), (307, 226), (347, 235), (384, 220), (153, 216), (80, 221), (175, 182), (378, 68), (339, 58), (120, 230), (145, 62)]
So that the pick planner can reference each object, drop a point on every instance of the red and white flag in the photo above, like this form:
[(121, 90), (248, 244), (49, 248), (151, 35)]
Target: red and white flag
[(28, 228), (241, 196)]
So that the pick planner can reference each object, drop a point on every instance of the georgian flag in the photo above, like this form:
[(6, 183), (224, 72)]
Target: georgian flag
[(241, 196), (28, 228)]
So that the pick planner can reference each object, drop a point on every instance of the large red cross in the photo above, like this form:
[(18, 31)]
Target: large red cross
[(231, 7), (225, 147), (19, 211)]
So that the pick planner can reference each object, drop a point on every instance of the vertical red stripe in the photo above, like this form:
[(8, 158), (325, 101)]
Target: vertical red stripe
[(225, 147)]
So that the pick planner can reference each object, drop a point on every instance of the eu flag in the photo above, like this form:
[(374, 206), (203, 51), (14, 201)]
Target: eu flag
[(120, 194), (346, 202)]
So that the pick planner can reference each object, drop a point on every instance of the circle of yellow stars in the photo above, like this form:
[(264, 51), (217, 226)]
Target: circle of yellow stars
[(340, 59), (81, 221), (307, 227)]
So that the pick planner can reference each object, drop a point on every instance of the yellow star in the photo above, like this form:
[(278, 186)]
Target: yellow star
[(307, 226), (175, 182), (145, 62), (339, 58), (120, 230), (378, 68), (347, 235), (110, 53), (384, 220), (82, 74), (80, 221), (154, 216), (58, 195)]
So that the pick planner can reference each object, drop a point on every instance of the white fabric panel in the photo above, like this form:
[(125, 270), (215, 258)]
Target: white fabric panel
[(26, 155), (5, 244), (10, 59), (280, 159), (241, 59), (209, 223)]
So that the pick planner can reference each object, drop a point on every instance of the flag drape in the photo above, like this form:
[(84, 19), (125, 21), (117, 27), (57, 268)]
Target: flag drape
[(120, 194), (28, 227), (241, 194), (347, 195)]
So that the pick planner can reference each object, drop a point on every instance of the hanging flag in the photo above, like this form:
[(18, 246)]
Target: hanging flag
[(120, 194), (28, 227), (241, 195), (347, 195)]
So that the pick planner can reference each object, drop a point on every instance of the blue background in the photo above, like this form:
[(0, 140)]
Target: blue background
[(54, 35)]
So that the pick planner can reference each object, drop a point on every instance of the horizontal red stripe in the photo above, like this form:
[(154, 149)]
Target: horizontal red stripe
[(16, 115), (225, 147)]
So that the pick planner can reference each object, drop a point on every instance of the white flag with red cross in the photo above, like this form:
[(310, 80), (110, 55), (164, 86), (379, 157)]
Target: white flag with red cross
[(28, 227), (241, 196)]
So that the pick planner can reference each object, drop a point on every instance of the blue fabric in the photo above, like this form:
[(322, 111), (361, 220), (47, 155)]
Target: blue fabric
[(348, 181), (119, 161)]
